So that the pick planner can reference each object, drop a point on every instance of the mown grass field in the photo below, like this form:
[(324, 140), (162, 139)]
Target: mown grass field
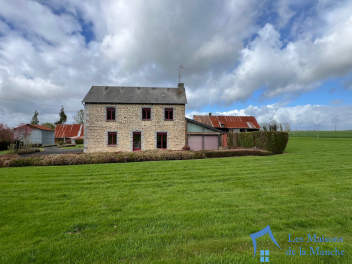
[(3, 152), (78, 146), (193, 211), (322, 134)]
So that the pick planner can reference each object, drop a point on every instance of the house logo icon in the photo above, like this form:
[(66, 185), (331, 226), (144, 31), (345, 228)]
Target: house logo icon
[(264, 254)]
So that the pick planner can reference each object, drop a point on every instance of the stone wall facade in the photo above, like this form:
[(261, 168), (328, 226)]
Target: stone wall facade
[(128, 119)]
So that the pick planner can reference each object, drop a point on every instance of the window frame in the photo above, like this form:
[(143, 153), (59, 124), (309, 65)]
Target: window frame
[(135, 133), (111, 134), (161, 144), (108, 109), (147, 110), (168, 110)]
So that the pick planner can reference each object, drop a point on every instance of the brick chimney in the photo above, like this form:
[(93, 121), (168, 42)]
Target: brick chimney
[(209, 114)]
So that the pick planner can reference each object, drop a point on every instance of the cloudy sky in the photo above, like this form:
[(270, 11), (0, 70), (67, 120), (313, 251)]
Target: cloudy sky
[(288, 60)]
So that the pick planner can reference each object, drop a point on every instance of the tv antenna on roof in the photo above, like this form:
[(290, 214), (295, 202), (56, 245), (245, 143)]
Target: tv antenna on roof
[(179, 72)]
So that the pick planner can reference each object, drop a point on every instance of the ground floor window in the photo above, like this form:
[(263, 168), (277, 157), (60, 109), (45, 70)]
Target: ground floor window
[(137, 141), (161, 141), (112, 136)]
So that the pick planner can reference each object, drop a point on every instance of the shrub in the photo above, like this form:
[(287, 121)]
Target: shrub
[(186, 148), (96, 158), (7, 158), (79, 141), (272, 141), (27, 151), (235, 153)]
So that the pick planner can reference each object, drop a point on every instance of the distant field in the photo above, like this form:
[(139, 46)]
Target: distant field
[(322, 134), (192, 211)]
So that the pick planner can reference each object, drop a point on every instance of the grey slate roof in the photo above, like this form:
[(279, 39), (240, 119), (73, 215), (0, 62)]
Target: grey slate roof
[(135, 95)]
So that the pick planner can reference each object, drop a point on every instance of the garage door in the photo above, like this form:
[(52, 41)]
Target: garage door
[(195, 142), (211, 142)]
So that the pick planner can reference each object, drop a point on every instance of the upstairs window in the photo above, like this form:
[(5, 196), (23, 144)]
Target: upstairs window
[(110, 113), (169, 114), (112, 138), (145, 113)]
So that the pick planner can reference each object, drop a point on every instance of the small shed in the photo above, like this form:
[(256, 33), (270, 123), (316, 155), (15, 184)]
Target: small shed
[(201, 136), (40, 135)]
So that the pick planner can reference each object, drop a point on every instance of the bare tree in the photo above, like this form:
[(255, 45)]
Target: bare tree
[(287, 127), (79, 118), (273, 125), (264, 126)]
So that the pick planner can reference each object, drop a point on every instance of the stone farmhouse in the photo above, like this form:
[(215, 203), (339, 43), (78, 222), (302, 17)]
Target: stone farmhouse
[(120, 118)]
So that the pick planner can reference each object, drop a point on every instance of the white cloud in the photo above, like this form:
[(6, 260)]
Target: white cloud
[(286, 71), (44, 55)]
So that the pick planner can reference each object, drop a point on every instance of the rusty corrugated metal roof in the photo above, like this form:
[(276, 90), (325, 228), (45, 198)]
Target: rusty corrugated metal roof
[(204, 119), (228, 121), (75, 130), (36, 126), (40, 127)]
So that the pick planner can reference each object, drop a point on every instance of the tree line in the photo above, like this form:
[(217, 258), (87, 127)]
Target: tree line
[(275, 126), (79, 118)]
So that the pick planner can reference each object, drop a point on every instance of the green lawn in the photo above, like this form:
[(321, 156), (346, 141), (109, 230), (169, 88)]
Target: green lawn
[(78, 146), (322, 134), (3, 152), (193, 211)]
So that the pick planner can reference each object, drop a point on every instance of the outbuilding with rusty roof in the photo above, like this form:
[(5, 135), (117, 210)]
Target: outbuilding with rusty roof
[(229, 123), (70, 131), (40, 135)]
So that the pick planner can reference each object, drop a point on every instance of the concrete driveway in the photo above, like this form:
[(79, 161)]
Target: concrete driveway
[(53, 150)]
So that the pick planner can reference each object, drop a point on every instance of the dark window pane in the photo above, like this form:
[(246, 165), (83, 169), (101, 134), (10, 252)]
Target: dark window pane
[(158, 145), (137, 141), (165, 141), (112, 138), (110, 113), (168, 114), (146, 113)]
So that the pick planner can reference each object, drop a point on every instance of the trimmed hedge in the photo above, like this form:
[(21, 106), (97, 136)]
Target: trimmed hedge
[(235, 153), (272, 141), (27, 151), (120, 157)]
